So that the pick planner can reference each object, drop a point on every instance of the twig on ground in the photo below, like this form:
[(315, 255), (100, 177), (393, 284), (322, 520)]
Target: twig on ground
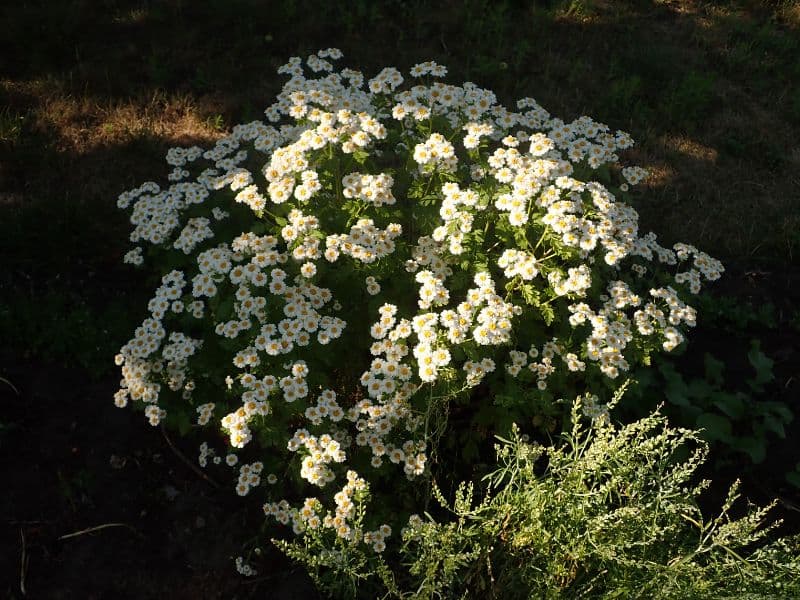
[(186, 461), (23, 564), (98, 528), (11, 385)]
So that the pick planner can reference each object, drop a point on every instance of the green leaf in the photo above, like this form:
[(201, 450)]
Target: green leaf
[(520, 238), (225, 308), (714, 370), (645, 379), (677, 396), (229, 345), (182, 422), (731, 404), (793, 477), (530, 295), (481, 263), (429, 200), (716, 427), (779, 409), (548, 314), (677, 392), (360, 156), (762, 364), (775, 426), (756, 447), (699, 389), (671, 376)]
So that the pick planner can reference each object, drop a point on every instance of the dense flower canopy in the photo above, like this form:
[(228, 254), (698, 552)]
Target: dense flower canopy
[(417, 226)]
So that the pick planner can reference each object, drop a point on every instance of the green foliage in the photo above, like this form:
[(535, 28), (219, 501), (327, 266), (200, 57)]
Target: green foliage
[(607, 513), (793, 476), (734, 420), (56, 326), (731, 314), (335, 565), (762, 57), (577, 8), (216, 122), (624, 94), (691, 98)]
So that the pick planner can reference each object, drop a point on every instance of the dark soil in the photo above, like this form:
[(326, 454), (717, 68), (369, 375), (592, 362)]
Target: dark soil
[(72, 461)]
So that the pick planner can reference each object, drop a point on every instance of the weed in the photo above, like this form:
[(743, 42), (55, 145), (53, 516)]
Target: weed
[(624, 96), (216, 122), (611, 513), (11, 124), (577, 8), (691, 100)]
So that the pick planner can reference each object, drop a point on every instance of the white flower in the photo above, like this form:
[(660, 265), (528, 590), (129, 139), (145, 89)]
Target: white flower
[(308, 269)]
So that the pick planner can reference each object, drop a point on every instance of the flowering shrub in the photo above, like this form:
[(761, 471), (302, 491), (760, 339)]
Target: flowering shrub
[(338, 275)]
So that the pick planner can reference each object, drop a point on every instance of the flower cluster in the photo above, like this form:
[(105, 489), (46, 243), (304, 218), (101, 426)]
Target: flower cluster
[(376, 189), (313, 515), (365, 242), (435, 153), (372, 246)]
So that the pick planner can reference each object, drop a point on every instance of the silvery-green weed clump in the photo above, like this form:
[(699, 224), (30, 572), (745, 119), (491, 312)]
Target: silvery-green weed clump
[(336, 276), (609, 512)]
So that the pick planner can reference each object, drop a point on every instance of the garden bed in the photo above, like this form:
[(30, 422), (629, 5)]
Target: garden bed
[(99, 504)]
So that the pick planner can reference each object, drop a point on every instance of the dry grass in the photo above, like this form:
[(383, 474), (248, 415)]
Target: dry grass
[(83, 125), (789, 13), (94, 117)]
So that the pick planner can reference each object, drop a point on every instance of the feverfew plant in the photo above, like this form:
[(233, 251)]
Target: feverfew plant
[(336, 275)]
